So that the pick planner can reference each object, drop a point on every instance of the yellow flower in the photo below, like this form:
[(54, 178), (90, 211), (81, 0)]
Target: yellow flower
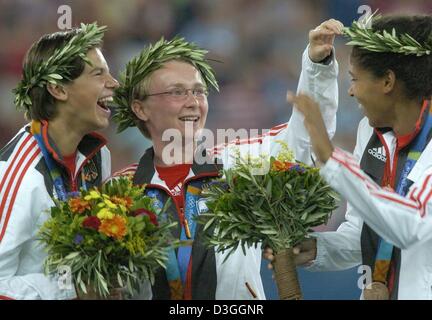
[(115, 227), (105, 214), (285, 153), (109, 204), (136, 245), (92, 195)]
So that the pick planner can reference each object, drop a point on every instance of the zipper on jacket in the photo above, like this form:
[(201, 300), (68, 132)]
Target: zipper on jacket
[(180, 212), (183, 195), (389, 177), (73, 182)]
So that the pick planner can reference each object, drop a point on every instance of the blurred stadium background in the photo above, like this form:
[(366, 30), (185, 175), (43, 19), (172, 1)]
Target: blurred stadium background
[(259, 42)]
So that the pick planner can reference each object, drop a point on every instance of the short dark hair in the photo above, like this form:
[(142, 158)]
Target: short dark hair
[(43, 103), (414, 72)]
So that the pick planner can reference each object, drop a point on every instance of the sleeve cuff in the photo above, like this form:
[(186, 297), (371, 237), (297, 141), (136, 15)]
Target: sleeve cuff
[(327, 60), (320, 259), (330, 169), (326, 64)]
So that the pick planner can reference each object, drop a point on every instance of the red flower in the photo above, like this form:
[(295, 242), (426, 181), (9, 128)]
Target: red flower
[(91, 222), (151, 215)]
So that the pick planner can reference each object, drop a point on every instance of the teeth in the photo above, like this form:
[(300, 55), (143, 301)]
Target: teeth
[(106, 100), (189, 118)]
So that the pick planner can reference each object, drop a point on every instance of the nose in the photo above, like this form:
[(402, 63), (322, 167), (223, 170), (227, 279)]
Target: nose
[(194, 102), (112, 82), (351, 91)]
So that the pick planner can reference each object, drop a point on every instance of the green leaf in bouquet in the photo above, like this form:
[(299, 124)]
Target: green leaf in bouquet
[(120, 280), (244, 175), (72, 255), (99, 259), (161, 263), (259, 213), (131, 265), (102, 285), (129, 283), (209, 223), (269, 232), (316, 217), (55, 211), (269, 187), (140, 225), (78, 277), (82, 286)]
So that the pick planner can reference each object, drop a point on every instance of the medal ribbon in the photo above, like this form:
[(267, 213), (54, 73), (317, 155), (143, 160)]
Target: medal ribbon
[(36, 131), (385, 249)]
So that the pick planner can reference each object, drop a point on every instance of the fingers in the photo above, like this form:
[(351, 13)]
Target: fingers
[(302, 102), (303, 259), (305, 253), (268, 250), (333, 26), (326, 30), (268, 255)]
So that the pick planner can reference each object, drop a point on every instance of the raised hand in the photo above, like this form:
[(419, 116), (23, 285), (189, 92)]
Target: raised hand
[(314, 124), (321, 39)]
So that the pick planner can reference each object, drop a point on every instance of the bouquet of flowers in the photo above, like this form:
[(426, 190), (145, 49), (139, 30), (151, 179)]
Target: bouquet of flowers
[(276, 209), (110, 238)]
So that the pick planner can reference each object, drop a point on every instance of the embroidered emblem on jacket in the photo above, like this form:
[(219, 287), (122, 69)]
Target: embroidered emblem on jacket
[(201, 206), (378, 153)]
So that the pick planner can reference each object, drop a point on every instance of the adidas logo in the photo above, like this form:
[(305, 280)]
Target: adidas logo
[(176, 191), (378, 153)]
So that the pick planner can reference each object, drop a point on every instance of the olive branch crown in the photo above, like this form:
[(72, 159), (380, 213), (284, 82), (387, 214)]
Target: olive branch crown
[(362, 35), (57, 68), (150, 59)]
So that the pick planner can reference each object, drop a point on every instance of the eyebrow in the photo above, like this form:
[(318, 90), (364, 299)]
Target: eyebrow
[(99, 69), (352, 74), (196, 84)]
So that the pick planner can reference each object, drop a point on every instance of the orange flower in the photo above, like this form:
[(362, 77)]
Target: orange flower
[(278, 166), (126, 201), (78, 205), (115, 227), (282, 165)]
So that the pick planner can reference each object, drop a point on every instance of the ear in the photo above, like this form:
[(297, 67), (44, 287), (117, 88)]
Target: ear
[(389, 81), (140, 109), (57, 91)]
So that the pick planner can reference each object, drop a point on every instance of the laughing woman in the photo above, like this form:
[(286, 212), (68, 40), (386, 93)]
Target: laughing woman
[(387, 182)]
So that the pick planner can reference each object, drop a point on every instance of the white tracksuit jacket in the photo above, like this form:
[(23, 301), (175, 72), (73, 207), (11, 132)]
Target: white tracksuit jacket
[(25, 199), (319, 80), (403, 221)]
